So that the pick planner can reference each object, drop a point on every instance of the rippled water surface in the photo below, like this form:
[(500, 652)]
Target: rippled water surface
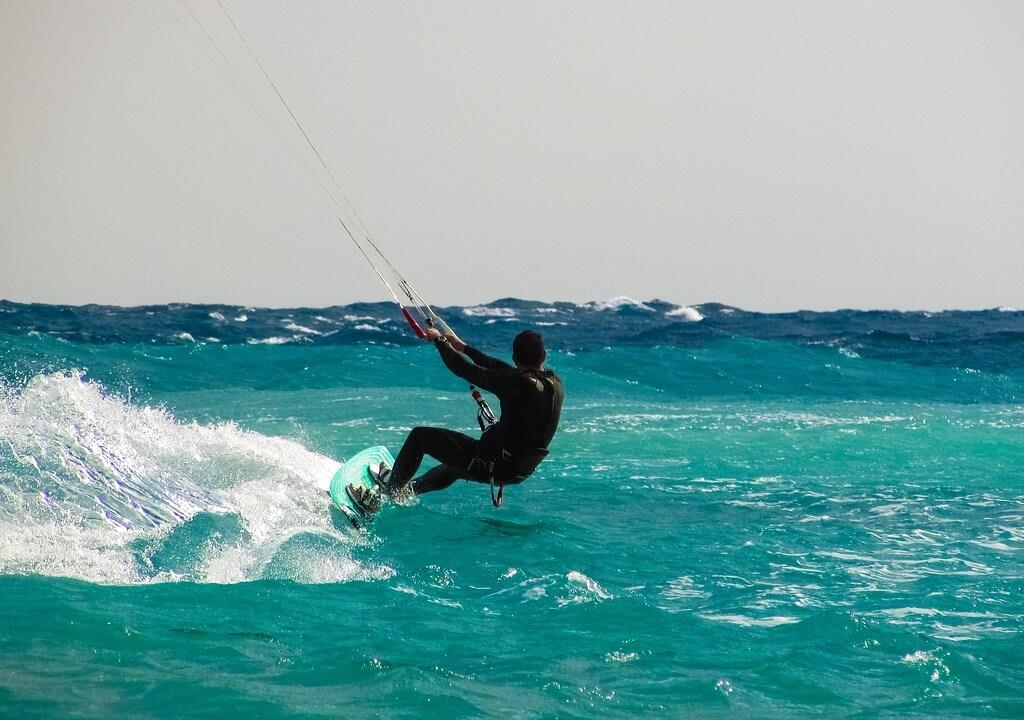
[(744, 516)]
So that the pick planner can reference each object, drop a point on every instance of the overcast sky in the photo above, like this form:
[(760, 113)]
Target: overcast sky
[(771, 155)]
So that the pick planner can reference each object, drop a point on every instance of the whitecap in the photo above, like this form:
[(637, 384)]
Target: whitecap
[(217, 316), (686, 313), (108, 479), (493, 312), (290, 325), (369, 328), (619, 302), (583, 589), (747, 621), (271, 341), (922, 657), (187, 337)]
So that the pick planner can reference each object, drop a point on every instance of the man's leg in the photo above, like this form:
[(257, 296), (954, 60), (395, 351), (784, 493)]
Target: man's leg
[(451, 448), (437, 478)]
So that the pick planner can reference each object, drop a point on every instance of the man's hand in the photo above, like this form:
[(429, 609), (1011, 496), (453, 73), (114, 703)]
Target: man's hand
[(431, 335), (455, 341)]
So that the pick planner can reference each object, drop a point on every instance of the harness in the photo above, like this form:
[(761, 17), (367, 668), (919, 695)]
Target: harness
[(529, 460)]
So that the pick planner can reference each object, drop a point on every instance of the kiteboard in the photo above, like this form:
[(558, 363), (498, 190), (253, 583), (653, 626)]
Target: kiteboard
[(358, 470)]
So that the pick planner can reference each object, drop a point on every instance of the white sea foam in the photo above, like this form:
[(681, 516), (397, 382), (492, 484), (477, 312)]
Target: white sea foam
[(93, 487), (368, 328), (290, 325), (939, 669), (617, 303), (747, 621), (993, 545), (271, 340), (535, 592), (217, 316), (493, 312), (683, 588), (686, 313), (187, 337), (583, 589)]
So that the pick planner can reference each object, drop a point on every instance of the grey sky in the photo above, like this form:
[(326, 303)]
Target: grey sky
[(769, 155)]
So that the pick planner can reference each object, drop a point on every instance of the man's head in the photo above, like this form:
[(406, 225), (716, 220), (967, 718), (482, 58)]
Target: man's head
[(528, 350)]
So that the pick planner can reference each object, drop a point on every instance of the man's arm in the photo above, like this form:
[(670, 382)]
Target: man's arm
[(484, 361), (481, 359), (493, 379)]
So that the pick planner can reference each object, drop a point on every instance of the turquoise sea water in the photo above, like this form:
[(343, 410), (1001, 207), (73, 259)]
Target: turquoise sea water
[(804, 515)]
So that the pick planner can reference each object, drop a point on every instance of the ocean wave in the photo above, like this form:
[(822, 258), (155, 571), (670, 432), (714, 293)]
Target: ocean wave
[(489, 312), (748, 621), (583, 589), (618, 303), (988, 341), (686, 313), (276, 340), (98, 489), (293, 327)]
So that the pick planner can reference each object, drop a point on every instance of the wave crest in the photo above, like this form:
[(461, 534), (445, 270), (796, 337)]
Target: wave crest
[(96, 488)]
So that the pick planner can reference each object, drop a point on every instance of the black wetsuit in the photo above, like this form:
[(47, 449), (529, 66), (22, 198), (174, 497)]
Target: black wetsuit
[(531, 403)]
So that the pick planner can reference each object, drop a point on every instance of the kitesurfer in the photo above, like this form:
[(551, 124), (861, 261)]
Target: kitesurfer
[(507, 452)]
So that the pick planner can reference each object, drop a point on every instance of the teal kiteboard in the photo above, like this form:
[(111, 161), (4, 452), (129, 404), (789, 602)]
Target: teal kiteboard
[(357, 471)]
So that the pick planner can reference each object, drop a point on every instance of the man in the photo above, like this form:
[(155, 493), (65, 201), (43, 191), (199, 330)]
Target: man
[(508, 452)]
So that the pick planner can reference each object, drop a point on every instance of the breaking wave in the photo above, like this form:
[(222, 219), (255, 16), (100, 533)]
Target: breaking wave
[(96, 488)]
